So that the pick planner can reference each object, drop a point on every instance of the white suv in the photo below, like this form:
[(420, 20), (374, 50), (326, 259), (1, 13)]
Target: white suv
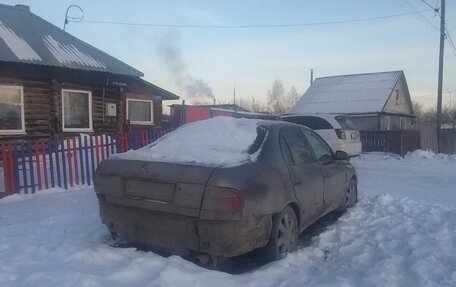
[(337, 130)]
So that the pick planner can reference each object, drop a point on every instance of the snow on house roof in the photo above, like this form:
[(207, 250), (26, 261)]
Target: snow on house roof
[(348, 94), (27, 38)]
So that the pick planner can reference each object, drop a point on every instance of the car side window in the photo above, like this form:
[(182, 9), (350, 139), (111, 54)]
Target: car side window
[(314, 123), (285, 150), (319, 146), (298, 147)]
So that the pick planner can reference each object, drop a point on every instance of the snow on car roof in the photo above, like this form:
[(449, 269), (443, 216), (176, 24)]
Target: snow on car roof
[(213, 142)]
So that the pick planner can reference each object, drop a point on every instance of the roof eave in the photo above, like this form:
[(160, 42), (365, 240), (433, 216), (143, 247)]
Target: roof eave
[(164, 94)]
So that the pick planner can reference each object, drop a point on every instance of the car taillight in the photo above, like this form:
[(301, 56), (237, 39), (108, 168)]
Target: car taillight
[(222, 199), (341, 134)]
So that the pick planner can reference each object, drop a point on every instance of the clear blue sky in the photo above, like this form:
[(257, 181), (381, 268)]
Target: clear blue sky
[(251, 59)]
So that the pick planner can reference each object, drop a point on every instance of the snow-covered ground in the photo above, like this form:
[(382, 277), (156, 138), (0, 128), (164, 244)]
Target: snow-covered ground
[(401, 233)]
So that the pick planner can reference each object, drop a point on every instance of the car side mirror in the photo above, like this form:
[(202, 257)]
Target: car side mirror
[(341, 155), (326, 159)]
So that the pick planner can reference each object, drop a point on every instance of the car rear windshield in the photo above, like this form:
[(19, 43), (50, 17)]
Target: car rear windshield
[(345, 123), (315, 123), (261, 136)]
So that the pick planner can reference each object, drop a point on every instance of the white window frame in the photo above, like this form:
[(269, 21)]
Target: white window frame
[(388, 123), (22, 130), (90, 128), (151, 122), (402, 120)]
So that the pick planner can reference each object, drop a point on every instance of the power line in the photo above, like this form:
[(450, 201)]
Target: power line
[(450, 40), (254, 26), (411, 7), (430, 6)]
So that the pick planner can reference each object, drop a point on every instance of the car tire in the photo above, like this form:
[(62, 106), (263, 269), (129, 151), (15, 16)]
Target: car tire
[(284, 235), (351, 196)]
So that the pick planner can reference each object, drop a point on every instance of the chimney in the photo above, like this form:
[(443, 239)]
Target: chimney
[(22, 7), (311, 76)]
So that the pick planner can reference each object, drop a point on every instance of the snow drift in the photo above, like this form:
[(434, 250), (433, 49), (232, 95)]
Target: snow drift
[(401, 233)]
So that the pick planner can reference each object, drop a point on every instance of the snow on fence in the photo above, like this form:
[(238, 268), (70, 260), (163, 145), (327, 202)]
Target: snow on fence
[(32, 165)]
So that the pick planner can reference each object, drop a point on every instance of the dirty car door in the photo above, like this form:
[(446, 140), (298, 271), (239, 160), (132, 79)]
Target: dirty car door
[(306, 173), (335, 173)]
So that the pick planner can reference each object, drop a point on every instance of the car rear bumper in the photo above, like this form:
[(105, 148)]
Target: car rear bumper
[(179, 234), (351, 148)]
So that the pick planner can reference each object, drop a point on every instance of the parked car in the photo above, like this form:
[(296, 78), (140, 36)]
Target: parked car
[(223, 187), (337, 130)]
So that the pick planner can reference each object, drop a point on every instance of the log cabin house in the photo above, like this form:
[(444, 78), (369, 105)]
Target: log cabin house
[(53, 84)]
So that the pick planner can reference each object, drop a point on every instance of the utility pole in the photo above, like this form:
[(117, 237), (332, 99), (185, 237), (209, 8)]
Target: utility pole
[(440, 79), (234, 99), (311, 76)]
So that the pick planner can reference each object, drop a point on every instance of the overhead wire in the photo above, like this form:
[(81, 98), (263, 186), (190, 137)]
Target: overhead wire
[(255, 26), (447, 32), (406, 4), (430, 6), (450, 40)]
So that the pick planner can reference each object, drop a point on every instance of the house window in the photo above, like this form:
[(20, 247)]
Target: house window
[(402, 123), (11, 110), (140, 112), (397, 96), (77, 111), (387, 123)]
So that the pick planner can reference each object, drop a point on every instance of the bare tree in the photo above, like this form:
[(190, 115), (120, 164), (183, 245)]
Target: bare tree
[(417, 109), (252, 105), (429, 115), (292, 98), (275, 97), (258, 106)]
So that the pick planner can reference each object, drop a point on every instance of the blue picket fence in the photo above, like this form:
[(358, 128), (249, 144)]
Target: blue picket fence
[(33, 165)]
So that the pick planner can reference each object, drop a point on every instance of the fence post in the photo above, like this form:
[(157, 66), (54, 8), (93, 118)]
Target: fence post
[(50, 152), (96, 150), (32, 172), (8, 169), (81, 162), (36, 148), (92, 158), (69, 154), (64, 168), (402, 143), (86, 156), (43, 155)]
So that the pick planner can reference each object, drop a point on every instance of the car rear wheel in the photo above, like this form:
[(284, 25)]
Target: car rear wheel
[(284, 235), (351, 197)]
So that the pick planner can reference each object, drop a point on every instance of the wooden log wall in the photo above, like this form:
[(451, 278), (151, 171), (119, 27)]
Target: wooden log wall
[(43, 86), (37, 103)]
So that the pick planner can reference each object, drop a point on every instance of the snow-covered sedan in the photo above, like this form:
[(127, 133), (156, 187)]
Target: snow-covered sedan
[(223, 187)]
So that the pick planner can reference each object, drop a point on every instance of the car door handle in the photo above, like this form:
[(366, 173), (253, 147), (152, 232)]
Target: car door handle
[(327, 174), (298, 182)]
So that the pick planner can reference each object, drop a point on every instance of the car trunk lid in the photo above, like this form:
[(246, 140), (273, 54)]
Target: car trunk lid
[(157, 186), (353, 136)]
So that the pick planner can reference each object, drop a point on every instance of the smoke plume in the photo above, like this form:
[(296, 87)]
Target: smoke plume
[(170, 54)]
